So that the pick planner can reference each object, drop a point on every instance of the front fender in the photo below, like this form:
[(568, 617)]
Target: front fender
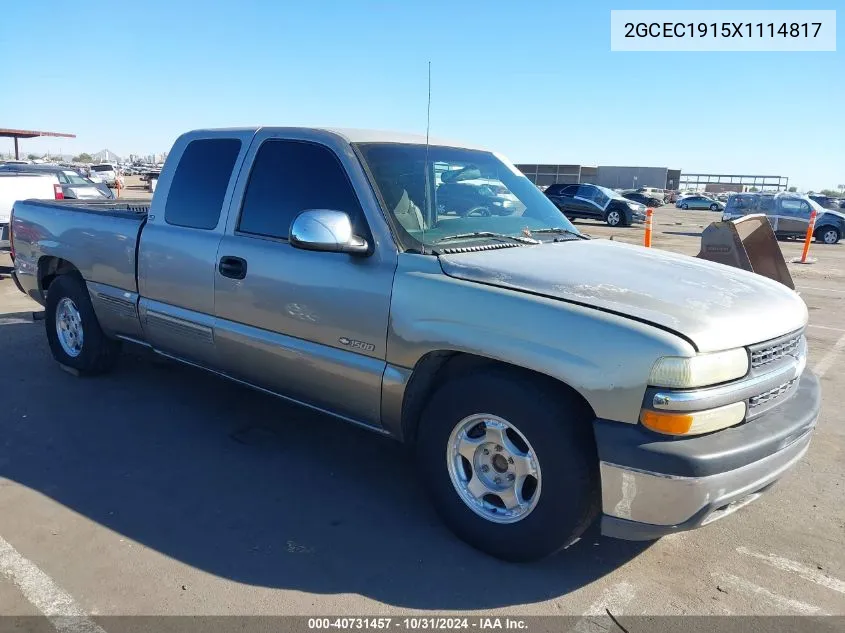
[(604, 357)]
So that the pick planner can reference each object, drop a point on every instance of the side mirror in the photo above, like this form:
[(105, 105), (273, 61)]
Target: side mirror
[(326, 230)]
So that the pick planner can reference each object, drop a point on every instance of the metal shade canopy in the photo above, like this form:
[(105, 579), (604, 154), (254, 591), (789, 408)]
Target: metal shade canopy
[(17, 134)]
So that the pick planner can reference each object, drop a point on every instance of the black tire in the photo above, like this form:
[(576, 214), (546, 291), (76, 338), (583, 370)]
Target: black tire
[(684, 206), (98, 353), (555, 423), (714, 207), (828, 235)]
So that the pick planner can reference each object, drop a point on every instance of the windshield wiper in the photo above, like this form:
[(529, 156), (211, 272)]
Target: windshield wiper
[(501, 236), (560, 231)]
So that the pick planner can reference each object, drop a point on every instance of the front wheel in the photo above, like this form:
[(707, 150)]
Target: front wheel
[(714, 207), (828, 235), (73, 331), (510, 463), (614, 218), (685, 207)]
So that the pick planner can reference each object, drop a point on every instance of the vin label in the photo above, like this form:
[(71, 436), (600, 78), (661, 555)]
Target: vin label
[(723, 30)]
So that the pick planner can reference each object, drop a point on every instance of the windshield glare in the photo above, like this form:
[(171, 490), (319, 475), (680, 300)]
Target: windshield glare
[(610, 193), (75, 179), (456, 191)]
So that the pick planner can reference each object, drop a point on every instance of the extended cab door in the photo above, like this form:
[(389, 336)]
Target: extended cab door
[(177, 255), (311, 326)]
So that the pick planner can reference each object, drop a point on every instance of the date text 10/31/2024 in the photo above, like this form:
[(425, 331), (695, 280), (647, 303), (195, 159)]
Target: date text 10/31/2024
[(418, 623)]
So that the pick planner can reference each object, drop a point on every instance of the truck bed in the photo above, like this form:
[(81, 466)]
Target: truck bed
[(125, 208), (100, 238)]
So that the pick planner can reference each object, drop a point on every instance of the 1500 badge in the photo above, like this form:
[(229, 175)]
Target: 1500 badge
[(353, 344)]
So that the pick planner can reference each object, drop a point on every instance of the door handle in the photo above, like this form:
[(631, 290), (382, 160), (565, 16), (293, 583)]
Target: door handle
[(232, 267)]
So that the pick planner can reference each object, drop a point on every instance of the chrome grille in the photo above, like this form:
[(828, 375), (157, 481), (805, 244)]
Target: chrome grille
[(764, 355), (771, 394)]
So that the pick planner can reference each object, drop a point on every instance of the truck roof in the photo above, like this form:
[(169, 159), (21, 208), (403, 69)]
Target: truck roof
[(357, 135)]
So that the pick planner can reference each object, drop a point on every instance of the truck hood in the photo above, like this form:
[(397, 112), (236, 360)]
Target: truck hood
[(714, 306)]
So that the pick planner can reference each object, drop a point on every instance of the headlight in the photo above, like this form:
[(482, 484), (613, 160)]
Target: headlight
[(633, 207), (700, 370), (693, 422)]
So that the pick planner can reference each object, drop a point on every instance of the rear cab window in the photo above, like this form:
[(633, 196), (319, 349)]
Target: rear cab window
[(195, 198)]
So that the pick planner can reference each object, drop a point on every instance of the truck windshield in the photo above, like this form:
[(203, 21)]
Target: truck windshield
[(102, 168), (446, 194)]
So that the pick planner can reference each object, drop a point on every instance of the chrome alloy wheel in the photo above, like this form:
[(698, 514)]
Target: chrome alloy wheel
[(614, 218), (69, 327), (830, 236), (494, 468)]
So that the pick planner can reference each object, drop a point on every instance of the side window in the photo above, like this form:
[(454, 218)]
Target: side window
[(586, 192), (571, 190), (199, 184), (791, 208), (289, 177), (804, 211), (62, 178)]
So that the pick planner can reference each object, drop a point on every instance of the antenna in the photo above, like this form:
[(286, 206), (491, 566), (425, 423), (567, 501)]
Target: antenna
[(426, 202)]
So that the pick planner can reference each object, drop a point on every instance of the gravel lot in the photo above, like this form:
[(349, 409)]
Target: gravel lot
[(159, 489)]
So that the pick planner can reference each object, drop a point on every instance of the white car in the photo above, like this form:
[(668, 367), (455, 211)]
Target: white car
[(14, 187), (108, 173)]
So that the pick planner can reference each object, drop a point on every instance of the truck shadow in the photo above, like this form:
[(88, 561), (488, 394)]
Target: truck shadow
[(244, 486)]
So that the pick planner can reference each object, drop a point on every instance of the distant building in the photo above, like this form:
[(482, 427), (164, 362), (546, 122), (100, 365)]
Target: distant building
[(734, 182), (606, 176), (634, 177)]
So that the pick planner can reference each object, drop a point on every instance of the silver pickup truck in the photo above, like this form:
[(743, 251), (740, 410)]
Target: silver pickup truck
[(544, 379)]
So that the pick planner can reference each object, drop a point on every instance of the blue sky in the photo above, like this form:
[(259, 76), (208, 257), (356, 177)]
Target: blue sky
[(535, 80)]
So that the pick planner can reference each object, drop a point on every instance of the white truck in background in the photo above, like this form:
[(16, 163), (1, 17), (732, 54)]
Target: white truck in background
[(14, 187)]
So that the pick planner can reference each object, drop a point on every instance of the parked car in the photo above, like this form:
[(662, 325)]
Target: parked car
[(698, 201), (473, 196), (595, 203), (826, 202), (642, 198), (653, 192), (20, 186), (542, 377), (74, 185), (789, 215), (108, 173)]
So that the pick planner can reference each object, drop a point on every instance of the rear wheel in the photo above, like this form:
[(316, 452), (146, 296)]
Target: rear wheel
[(73, 331), (510, 463), (828, 235)]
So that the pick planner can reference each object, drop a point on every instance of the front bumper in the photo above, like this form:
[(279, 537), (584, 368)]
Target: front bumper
[(655, 485)]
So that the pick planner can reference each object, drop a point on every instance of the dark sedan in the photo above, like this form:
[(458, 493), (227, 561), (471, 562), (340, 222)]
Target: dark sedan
[(595, 203), (642, 198)]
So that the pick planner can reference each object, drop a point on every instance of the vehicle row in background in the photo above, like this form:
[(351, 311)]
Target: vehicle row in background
[(74, 185), (789, 214)]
